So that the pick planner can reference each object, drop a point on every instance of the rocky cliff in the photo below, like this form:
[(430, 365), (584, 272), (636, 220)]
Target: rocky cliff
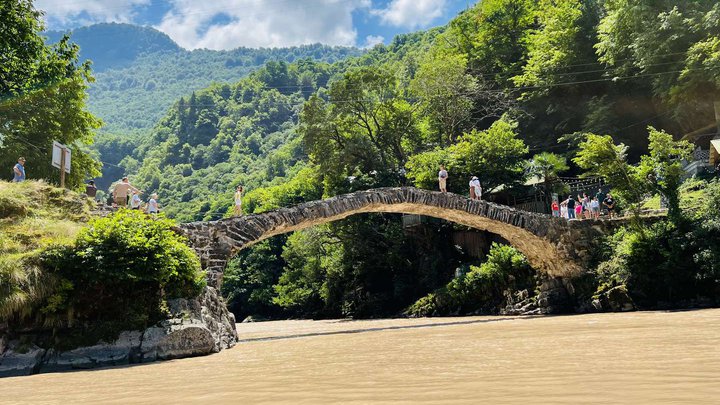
[(195, 327)]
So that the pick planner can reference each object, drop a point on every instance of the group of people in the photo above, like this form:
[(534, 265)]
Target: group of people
[(125, 194), (585, 207), (475, 187)]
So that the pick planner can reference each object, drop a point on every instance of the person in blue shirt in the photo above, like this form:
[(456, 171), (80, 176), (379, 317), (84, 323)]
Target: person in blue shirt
[(19, 171)]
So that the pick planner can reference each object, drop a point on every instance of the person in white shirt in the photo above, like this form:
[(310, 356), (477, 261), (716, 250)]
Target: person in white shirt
[(153, 207), (135, 201), (442, 179), (475, 189), (238, 201)]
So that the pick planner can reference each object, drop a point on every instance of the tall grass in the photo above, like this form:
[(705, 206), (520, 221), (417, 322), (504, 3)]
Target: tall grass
[(33, 216)]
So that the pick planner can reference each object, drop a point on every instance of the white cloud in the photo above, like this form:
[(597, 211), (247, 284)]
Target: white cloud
[(372, 40), (60, 14), (257, 23), (411, 13)]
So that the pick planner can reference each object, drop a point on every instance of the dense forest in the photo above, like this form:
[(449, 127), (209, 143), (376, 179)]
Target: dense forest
[(507, 89)]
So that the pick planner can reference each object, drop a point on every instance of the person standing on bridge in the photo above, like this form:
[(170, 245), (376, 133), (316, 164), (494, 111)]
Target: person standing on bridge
[(442, 179), (475, 189), (570, 204), (238, 201)]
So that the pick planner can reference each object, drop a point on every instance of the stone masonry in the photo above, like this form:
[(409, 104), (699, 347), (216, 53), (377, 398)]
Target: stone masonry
[(554, 246)]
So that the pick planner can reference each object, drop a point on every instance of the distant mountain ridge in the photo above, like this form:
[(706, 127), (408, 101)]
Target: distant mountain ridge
[(140, 72), (114, 45)]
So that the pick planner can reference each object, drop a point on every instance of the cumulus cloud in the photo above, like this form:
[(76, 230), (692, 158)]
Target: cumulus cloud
[(372, 40), (226, 24), (60, 14), (411, 13)]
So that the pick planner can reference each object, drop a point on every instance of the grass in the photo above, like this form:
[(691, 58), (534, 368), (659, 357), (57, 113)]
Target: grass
[(692, 196), (33, 216)]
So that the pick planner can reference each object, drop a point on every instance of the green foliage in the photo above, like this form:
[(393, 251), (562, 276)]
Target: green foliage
[(481, 289), (120, 271), (446, 91), (660, 171), (668, 264), (366, 126), (42, 98), (494, 155), (249, 278)]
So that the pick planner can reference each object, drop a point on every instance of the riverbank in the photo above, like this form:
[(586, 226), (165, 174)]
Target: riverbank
[(657, 357)]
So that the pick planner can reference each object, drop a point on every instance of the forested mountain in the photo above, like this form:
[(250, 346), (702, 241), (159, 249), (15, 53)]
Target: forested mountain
[(504, 81), (139, 77)]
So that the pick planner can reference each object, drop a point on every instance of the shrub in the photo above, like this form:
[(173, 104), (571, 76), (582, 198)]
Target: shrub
[(481, 289), (118, 274)]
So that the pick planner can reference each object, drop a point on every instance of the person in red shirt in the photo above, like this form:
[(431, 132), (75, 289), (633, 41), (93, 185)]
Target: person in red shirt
[(555, 208)]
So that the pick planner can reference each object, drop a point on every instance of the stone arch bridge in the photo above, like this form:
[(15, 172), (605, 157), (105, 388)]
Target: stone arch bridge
[(554, 246)]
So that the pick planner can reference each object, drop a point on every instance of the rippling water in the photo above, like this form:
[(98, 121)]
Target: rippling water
[(649, 357)]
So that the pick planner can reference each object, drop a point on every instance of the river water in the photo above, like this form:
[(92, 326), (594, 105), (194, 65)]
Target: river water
[(639, 357)]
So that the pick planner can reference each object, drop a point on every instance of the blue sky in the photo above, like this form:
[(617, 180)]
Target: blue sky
[(227, 24)]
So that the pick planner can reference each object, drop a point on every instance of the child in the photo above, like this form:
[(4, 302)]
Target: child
[(555, 209), (578, 211)]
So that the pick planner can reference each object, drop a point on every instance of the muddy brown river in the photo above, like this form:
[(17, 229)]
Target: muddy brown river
[(639, 357)]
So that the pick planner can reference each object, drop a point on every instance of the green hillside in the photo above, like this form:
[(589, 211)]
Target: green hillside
[(139, 77)]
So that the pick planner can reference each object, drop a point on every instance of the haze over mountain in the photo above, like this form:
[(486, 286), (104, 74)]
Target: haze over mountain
[(144, 71)]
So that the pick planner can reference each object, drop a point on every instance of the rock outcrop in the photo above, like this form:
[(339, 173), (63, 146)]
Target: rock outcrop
[(195, 327)]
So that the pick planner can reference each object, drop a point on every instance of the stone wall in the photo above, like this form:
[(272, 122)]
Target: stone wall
[(554, 246)]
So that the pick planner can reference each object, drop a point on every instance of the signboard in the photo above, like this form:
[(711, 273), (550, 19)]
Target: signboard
[(57, 158)]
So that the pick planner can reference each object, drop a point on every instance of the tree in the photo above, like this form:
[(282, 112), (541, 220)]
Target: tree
[(662, 168), (42, 98), (363, 128), (672, 45), (660, 171), (599, 156), (494, 155), (446, 92), (547, 166)]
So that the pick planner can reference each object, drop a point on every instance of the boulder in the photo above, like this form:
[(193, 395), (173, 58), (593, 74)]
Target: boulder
[(18, 360)]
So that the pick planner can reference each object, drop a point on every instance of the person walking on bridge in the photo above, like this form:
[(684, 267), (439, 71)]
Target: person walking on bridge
[(570, 204), (475, 189), (19, 171), (442, 179), (238, 201)]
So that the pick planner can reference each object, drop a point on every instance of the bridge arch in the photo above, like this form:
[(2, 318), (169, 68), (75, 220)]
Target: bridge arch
[(550, 244)]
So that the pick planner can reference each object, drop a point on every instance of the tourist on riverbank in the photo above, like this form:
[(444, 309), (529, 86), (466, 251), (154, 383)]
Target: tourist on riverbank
[(563, 210), (570, 205), (121, 190), (19, 171), (475, 189), (609, 204), (442, 179), (238, 201), (555, 208), (153, 207)]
